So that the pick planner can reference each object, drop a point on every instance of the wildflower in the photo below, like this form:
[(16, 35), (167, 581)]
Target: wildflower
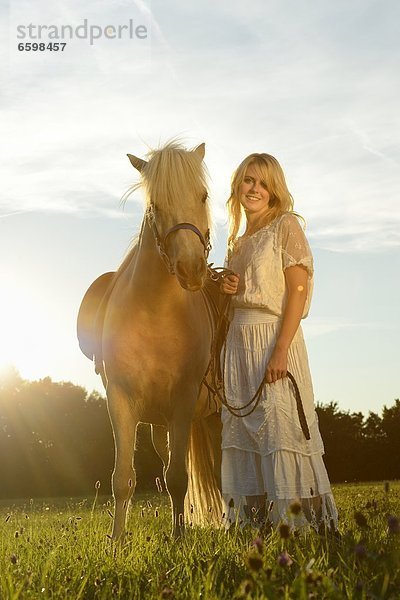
[(255, 562), (295, 508), (158, 485), (359, 586), (360, 551), (393, 524), (360, 519), (246, 587), (16, 534), (267, 528), (284, 559), (268, 572), (284, 531), (258, 543), (97, 485)]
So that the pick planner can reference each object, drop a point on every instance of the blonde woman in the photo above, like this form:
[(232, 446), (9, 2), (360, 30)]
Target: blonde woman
[(270, 471)]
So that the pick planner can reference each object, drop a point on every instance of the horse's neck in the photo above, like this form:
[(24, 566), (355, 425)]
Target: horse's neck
[(149, 270)]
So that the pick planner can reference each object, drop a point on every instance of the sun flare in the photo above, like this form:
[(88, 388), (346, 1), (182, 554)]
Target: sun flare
[(25, 329)]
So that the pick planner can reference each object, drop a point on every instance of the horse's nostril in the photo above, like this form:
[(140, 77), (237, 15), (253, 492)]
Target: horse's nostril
[(190, 271), (181, 268)]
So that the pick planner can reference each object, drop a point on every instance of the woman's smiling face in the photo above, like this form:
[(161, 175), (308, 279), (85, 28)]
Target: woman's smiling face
[(254, 196)]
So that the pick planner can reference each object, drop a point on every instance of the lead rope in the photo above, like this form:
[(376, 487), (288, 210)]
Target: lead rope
[(217, 379)]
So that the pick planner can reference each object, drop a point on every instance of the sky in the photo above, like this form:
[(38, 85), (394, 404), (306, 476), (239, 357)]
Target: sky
[(314, 83)]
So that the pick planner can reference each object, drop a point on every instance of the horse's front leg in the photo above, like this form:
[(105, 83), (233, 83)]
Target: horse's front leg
[(124, 476), (176, 476)]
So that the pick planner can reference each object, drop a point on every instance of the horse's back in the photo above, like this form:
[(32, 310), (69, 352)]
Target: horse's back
[(88, 316)]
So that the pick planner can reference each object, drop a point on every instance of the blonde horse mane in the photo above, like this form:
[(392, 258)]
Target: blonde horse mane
[(170, 174)]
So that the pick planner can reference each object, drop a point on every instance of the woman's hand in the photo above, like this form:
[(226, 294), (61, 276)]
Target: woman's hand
[(277, 365), (230, 284)]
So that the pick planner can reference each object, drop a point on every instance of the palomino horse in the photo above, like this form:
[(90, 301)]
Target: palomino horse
[(151, 336)]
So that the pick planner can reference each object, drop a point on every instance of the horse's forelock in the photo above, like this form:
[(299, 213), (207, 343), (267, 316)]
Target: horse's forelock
[(173, 173)]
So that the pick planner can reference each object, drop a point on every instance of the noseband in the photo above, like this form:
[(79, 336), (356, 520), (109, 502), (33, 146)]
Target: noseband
[(162, 240)]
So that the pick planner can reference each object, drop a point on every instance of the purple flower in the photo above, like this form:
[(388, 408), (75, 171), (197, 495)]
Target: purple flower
[(295, 508), (284, 531), (393, 524), (258, 543), (255, 562), (284, 559), (360, 551), (360, 519)]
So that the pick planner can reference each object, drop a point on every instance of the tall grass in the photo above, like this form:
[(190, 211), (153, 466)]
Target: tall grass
[(61, 549)]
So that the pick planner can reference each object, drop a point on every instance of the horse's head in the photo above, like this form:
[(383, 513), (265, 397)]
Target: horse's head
[(175, 183)]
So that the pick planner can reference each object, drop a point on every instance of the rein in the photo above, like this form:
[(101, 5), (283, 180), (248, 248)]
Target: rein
[(162, 240), (216, 274), (217, 386)]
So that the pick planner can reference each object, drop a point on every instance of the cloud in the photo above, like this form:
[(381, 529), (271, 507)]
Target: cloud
[(302, 83), (319, 326)]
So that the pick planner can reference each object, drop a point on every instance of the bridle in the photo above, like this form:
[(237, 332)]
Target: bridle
[(161, 240)]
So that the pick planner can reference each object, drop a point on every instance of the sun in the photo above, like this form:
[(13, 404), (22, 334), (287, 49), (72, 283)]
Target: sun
[(24, 327)]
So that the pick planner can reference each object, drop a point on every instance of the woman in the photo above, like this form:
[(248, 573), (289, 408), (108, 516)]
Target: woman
[(270, 471)]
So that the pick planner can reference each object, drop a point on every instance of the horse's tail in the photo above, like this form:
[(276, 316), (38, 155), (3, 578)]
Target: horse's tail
[(203, 500)]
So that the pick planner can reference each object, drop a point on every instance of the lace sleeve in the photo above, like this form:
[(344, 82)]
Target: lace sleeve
[(294, 245)]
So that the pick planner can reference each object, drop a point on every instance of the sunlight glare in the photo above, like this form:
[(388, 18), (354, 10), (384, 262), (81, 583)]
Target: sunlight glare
[(26, 334)]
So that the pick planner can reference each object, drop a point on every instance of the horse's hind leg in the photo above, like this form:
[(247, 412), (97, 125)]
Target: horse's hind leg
[(159, 438), (124, 477)]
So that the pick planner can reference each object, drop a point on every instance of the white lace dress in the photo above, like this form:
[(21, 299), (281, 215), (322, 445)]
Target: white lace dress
[(267, 452)]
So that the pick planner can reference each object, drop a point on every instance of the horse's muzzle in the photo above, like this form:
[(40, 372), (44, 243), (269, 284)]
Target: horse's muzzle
[(191, 275)]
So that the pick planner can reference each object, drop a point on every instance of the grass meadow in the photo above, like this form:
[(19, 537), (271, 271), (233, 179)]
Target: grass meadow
[(61, 549)]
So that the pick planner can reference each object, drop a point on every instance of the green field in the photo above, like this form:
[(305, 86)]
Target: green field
[(60, 549)]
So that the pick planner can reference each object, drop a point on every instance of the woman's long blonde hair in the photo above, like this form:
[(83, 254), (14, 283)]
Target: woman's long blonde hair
[(271, 175)]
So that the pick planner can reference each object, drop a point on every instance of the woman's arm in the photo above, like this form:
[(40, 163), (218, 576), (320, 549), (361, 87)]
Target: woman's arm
[(296, 282)]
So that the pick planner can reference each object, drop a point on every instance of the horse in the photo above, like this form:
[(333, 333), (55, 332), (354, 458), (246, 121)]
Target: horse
[(149, 329)]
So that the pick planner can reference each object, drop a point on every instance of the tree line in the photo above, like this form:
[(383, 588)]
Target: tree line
[(56, 440)]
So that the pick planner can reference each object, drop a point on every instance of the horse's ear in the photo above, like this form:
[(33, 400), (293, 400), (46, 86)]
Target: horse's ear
[(136, 162), (200, 150)]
